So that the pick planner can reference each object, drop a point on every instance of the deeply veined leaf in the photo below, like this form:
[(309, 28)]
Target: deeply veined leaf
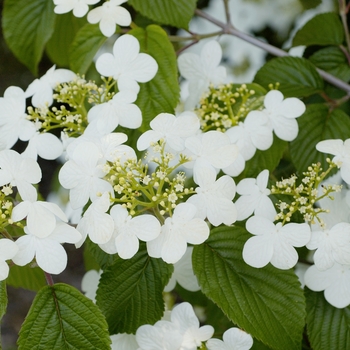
[(332, 60), (100, 257), (327, 326), (323, 29), (84, 47), (27, 277), (176, 13), (268, 303), (67, 25), (130, 292), (297, 77), (62, 318), (27, 26), (317, 124), (161, 94)]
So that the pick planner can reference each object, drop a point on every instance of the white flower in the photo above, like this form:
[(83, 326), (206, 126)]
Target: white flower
[(96, 223), (83, 176), (201, 70), (128, 230), (124, 341), (183, 274), (127, 65), (41, 216), (233, 339), (42, 89), (108, 15), (14, 124), (8, 249), (174, 130), (48, 251), (177, 231), (89, 283), (79, 7), (333, 245), (282, 114), (254, 198), (184, 319), (119, 110), (274, 243), (21, 172), (335, 282), (341, 150), (214, 198)]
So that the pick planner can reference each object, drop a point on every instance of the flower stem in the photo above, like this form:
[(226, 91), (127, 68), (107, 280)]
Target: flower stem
[(49, 279)]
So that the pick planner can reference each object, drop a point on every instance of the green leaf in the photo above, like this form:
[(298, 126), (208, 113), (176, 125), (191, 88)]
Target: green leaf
[(332, 60), (317, 124), (268, 303), (130, 292), (84, 47), (177, 13), (100, 257), (161, 94), (27, 26), (66, 27), (62, 318), (323, 29), (328, 327), (27, 277), (297, 76), (310, 4), (3, 298)]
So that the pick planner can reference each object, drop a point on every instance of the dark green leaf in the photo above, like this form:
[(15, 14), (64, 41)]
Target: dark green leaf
[(176, 13), (161, 94), (323, 29), (84, 47), (332, 60), (310, 4), (317, 124), (3, 299), (328, 327), (27, 277), (66, 28), (62, 318), (130, 292), (297, 76), (268, 303), (100, 257), (27, 26)]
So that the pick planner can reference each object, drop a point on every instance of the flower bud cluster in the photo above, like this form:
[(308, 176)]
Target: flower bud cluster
[(6, 206)]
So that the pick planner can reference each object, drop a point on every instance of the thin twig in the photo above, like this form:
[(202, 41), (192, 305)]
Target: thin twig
[(342, 12), (227, 12)]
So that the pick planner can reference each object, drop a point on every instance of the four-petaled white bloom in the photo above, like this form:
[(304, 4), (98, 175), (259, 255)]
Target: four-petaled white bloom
[(41, 89), (14, 124), (233, 339), (335, 282), (255, 198), (21, 172), (174, 130), (182, 228), (201, 70), (128, 230), (79, 7), (127, 65), (214, 198), (341, 151), (274, 243), (108, 15), (8, 249)]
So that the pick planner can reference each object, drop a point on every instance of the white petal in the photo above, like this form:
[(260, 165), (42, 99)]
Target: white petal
[(334, 147), (273, 99), (8, 249), (258, 251), (49, 146), (51, 256), (145, 227)]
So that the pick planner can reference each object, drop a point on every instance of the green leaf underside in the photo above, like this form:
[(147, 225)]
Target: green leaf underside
[(328, 327), (267, 303), (323, 29), (332, 60), (176, 13), (27, 26), (161, 94), (297, 76), (27, 277), (317, 124), (62, 318), (130, 292), (67, 25), (84, 47)]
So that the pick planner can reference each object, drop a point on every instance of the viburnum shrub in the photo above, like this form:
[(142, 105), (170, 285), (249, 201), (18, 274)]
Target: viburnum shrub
[(207, 184)]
